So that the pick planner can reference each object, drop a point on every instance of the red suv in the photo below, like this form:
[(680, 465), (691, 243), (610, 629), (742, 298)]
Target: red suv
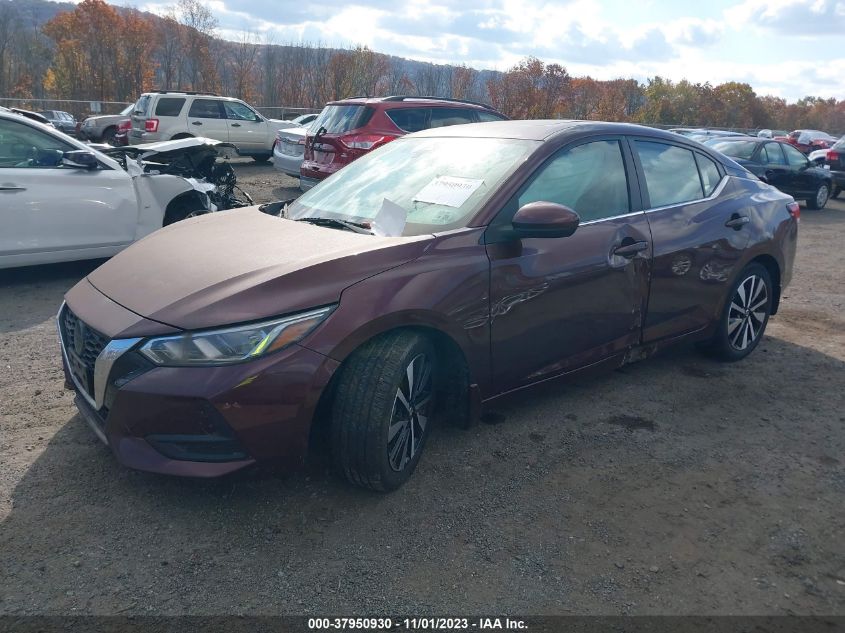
[(348, 129)]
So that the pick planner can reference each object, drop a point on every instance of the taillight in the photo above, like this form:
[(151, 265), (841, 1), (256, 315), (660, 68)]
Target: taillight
[(151, 125), (832, 155), (365, 141), (301, 141), (794, 210)]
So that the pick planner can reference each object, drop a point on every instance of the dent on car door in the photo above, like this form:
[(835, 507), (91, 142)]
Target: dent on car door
[(46, 208), (558, 304), (699, 229)]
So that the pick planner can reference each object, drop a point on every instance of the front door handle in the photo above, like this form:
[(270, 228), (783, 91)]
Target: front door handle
[(630, 250), (737, 221), (196, 123), (236, 125), (11, 188)]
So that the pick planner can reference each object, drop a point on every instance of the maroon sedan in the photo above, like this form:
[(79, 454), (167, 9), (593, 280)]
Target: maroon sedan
[(425, 279)]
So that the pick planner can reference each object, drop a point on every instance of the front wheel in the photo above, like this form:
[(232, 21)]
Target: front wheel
[(261, 159), (745, 315), (383, 410), (820, 199)]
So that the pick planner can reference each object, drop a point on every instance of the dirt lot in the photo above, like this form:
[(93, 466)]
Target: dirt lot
[(676, 485)]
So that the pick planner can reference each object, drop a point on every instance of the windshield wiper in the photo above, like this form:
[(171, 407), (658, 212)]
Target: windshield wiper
[(338, 224)]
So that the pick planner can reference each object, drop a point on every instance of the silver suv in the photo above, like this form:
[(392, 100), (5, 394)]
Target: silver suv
[(167, 115)]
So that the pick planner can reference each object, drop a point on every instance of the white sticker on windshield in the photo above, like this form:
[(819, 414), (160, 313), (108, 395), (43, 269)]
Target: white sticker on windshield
[(449, 191), (390, 219)]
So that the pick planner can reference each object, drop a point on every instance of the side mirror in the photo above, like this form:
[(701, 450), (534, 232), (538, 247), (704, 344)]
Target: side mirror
[(80, 159), (545, 219)]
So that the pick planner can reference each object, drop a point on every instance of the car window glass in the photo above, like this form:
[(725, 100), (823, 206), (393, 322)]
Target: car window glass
[(238, 111), (485, 116), (773, 155), (588, 178), (441, 117), (338, 119), (710, 176), (205, 109), (794, 157), (169, 106), (409, 119), (670, 172), (24, 146)]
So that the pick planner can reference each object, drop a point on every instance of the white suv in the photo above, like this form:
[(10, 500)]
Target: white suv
[(167, 115)]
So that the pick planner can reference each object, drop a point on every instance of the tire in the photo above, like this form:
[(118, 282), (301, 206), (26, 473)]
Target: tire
[(371, 446), (740, 330), (182, 209), (820, 199), (109, 134), (261, 159), (836, 192), (181, 135)]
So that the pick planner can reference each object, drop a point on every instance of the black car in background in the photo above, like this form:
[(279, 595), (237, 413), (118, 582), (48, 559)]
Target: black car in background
[(834, 162), (780, 165), (63, 121)]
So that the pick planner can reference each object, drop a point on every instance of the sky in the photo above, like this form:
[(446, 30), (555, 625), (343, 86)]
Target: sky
[(785, 48)]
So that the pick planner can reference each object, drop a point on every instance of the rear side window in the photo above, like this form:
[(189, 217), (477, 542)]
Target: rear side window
[(441, 117), (169, 106), (205, 109), (337, 119), (671, 174), (485, 116), (710, 176), (588, 178), (772, 155), (409, 119)]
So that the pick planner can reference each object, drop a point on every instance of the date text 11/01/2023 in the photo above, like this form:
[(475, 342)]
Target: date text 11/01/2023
[(416, 624)]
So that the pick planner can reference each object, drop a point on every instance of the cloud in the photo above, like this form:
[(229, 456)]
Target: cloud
[(793, 17)]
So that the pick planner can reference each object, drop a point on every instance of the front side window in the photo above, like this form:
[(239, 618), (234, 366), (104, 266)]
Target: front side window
[(441, 117), (169, 106), (24, 146), (239, 111), (794, 157), (772, 154), (440, 183), (588, 178), (205, 109), (671, 173)]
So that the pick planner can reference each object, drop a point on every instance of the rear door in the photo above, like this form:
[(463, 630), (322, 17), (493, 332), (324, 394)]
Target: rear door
[(207, 118), (47, 210), (699, 233), (248, 131)]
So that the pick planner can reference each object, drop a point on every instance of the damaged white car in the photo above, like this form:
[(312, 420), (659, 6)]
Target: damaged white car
[(62, 200)]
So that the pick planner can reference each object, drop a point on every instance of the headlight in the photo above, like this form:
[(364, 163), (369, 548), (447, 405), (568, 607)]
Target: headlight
[(233, 344)]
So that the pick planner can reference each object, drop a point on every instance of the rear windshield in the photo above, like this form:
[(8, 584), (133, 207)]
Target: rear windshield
[(734, 149), (338, 119), (840, 144), (142, 105), (169, 106)]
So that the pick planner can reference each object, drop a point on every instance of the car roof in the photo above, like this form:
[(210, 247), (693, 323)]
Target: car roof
[(411, 101), (543, 129)]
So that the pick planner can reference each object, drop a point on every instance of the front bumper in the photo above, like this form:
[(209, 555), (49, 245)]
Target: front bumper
[(198, 421)]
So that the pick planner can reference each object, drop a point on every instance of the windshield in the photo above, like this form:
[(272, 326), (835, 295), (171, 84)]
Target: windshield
[(438, 182), (338, 119), (734, 149)]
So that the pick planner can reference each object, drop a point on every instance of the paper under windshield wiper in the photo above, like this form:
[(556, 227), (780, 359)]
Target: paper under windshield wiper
[(339, 224)]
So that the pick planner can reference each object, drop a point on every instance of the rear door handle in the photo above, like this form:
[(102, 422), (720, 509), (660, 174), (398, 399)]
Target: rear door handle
[(196, 123), (11, 188), (737, 221), (630, 250)]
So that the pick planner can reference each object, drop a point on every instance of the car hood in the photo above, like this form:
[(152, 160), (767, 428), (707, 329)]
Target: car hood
[(243, 265)]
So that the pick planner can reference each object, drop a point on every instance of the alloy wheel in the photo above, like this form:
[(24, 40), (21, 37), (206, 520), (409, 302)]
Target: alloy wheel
[(821, 197), (747, 312), (411, 412)]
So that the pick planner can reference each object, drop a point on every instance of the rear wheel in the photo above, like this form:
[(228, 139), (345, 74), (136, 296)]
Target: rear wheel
[(109, 134), (383, 410), (820, 199), (261, 159), (745, 315)]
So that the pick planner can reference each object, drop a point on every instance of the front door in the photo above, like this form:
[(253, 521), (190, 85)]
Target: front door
[(247, 130), (558, 304)]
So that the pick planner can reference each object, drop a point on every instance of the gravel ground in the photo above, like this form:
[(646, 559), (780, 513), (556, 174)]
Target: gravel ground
[(673, 486)]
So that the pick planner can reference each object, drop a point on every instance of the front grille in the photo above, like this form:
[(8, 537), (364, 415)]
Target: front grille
[(83, 345)]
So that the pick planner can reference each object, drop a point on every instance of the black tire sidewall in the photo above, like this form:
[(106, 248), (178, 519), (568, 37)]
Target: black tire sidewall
[(812, 204)]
